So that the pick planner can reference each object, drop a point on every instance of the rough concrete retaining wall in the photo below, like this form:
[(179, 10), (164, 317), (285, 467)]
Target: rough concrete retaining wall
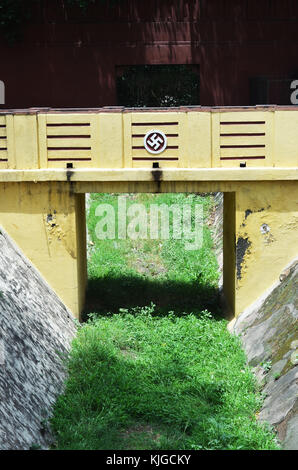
[(269, 334), (35, 334)]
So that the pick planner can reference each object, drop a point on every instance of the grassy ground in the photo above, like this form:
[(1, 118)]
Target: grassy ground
[(152, 368), (126, 273)]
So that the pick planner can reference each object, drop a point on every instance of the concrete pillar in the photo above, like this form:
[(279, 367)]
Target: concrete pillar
[(229, 253), (47, 221)]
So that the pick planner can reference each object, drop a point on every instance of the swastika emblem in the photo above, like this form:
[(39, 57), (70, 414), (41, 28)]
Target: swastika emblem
[(155, 141)]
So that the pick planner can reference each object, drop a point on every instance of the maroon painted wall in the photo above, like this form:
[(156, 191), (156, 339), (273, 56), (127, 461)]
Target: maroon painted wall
[(68, 60)]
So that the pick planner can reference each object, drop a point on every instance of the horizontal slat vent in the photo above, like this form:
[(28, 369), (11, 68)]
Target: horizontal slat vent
[(242, 140), (68, 141), (3, 142)]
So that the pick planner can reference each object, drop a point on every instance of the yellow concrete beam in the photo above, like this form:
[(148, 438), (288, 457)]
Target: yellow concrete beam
[(261, 137), (146, 174)]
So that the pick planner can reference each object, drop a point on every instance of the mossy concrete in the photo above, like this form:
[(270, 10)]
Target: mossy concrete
[(269, 334)]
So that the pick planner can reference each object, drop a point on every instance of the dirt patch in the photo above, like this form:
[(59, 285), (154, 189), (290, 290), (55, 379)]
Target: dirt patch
[(128, 353), (141, 432), (146, 258)]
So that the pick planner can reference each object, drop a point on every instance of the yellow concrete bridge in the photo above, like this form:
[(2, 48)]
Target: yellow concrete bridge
[(49, 159)]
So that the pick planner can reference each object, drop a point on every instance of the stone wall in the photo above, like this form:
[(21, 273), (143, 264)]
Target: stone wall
[(269, 334), (36, 330)]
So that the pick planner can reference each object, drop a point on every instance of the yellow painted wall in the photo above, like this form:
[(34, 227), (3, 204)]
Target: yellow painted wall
[(197, 138), (46, 221), (271, 234)]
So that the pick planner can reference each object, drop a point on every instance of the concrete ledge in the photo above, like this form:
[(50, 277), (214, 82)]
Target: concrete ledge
[(147, 174)]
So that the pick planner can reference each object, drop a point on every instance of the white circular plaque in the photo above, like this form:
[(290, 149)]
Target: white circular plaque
[(155, 141)]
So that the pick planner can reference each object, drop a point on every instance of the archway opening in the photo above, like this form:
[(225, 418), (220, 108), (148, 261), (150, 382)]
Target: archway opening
[(164, 249)]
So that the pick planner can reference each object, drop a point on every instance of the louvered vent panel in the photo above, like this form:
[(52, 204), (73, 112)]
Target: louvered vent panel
[(68, 141), (242, 140), (3, 143)]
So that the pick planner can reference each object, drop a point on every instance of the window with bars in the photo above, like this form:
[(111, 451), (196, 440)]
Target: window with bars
[(158, 85)]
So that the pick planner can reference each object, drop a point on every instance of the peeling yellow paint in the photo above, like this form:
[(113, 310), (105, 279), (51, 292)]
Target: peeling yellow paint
[(54, 250), (275, 208)]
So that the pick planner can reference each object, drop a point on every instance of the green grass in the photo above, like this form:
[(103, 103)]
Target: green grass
[(145, 271), (163, 375)]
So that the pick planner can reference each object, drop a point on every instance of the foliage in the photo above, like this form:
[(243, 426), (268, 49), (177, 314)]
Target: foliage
[(138, 381), (84, 4), (150, 377), (14, 14), (266, 365), (158, 85), (151, 270)]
